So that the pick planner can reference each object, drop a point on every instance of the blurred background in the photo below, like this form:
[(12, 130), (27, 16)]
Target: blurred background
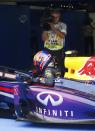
[(20, 30)]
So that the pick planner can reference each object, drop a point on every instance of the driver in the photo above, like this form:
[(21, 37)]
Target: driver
[(45, 67)]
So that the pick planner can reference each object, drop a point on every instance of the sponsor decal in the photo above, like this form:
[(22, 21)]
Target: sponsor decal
[(89, 68), (52, 97), (55, 113), (51, 101)]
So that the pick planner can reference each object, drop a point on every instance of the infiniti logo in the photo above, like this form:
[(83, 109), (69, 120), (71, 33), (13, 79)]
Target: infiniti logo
[(54, 98)]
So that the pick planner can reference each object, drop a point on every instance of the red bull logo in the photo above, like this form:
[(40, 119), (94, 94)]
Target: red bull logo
[(89, 68)]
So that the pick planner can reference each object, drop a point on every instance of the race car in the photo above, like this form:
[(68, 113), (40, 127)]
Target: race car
[(48, 97)]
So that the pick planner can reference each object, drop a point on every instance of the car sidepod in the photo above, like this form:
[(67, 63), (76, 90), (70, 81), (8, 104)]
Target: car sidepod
[(61, 105)]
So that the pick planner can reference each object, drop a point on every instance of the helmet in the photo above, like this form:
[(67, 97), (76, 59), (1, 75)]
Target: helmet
[(42, 59)]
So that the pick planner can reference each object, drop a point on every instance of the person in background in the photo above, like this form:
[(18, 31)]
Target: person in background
[(88, 30), (54, 39)]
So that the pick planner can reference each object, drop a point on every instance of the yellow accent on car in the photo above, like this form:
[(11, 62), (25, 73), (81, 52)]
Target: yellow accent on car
[(74, 65)]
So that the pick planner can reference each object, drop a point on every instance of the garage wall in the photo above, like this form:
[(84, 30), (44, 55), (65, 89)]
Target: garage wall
[(14, 37), (92, 16), (75, 22), (20, 34)]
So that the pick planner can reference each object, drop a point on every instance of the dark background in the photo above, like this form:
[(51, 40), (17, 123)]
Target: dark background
[(20, 34)]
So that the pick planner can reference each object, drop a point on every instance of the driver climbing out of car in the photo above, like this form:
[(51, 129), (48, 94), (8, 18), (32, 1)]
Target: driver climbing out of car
[(44, 66), (54, 39)]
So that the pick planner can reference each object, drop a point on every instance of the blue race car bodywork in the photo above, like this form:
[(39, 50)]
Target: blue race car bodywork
[(66, 101)]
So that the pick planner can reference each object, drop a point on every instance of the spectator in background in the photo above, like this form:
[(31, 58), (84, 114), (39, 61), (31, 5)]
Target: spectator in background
[(54, 39), (88, 37)]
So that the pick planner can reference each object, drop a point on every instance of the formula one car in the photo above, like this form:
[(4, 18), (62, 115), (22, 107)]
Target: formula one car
[(50, 98)]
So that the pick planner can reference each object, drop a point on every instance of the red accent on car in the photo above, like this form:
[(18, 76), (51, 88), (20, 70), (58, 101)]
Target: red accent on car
[(8, 90), (89, 68)]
